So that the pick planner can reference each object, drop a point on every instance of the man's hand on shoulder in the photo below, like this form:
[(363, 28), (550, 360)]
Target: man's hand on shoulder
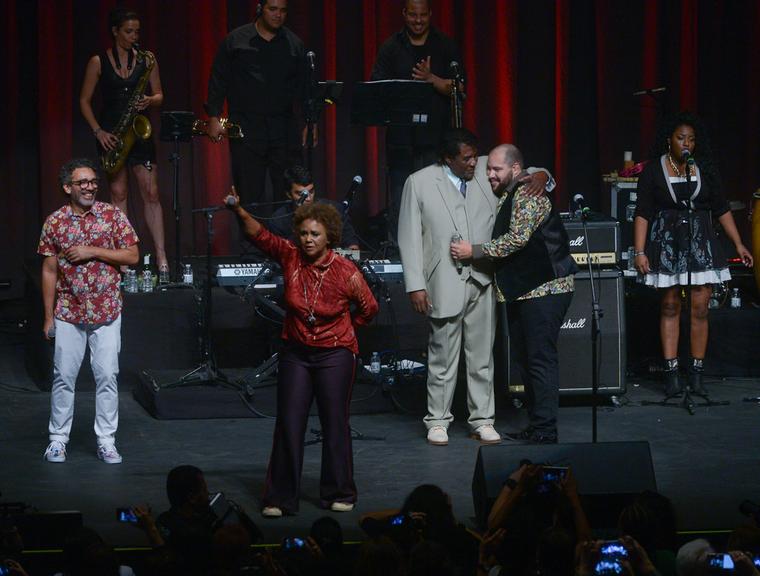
[(535, 184)]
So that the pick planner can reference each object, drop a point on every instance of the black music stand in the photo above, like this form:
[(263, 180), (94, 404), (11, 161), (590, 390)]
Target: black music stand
[(398, 103), (176, 126), (392, 103)]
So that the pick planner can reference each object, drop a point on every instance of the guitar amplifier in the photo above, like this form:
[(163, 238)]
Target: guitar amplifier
[(603, 241), (574, 344)]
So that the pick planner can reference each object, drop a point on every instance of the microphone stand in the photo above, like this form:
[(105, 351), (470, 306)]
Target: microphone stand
[(207, 372), (310, 114), (596, 314)]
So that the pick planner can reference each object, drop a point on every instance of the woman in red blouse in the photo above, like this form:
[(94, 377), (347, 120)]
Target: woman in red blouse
[(319, 356)]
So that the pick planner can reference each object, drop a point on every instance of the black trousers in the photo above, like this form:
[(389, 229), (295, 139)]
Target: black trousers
[(305, 373), (533, 332)]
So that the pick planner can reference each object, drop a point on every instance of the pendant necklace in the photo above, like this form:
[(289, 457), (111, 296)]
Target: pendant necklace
[(310, 319)]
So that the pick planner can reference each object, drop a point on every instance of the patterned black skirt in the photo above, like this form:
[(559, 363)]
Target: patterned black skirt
[(668, 250)]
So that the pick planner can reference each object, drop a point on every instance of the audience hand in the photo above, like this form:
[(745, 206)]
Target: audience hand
[(743, 565)]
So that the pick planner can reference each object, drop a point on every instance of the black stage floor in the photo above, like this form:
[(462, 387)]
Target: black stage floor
[(706, 463)]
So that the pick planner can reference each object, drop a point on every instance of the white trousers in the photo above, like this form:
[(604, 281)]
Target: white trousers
[(71, 341)]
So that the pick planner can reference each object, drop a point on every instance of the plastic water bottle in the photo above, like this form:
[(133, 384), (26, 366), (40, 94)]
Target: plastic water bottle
[(187, 274), (736, 299), (146, 278), (130, 281), (374, 363)]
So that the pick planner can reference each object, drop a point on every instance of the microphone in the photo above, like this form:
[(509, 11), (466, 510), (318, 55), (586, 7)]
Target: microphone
[(580, 202), (230, 201), (454, 65), (456, 238), (355, 183), (650, 91), (310, 56), (687, 157), (302, 197)]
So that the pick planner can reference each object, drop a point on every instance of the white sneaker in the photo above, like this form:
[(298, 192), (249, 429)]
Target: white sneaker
[(486, 434), (56, 452), (108, 454), (342, 506), (438, 436), (271, 512)]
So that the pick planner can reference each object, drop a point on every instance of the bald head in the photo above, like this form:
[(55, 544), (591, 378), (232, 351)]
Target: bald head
[(505, 162)]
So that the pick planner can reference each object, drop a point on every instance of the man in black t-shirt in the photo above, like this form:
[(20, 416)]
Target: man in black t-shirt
[(417, 52), (261, 70)]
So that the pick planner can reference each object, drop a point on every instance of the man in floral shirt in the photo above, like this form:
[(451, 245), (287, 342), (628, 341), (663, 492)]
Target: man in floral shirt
[(83, 245)]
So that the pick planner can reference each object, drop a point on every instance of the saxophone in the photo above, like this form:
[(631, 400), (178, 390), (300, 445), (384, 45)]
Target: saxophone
[(131, 125)]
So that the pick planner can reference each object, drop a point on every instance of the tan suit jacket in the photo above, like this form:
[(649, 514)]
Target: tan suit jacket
[(432, 210)]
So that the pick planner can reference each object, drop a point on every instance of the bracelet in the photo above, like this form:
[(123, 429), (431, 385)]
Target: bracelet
[(97, 130), (642, 253)]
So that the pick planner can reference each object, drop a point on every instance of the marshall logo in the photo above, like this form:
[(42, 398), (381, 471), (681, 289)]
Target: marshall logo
[(579, 324), (577, 241)]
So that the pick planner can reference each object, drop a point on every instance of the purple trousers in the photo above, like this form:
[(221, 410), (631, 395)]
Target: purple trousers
[(305, 373)]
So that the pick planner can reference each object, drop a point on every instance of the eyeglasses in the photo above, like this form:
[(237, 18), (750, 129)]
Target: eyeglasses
[(85, 183)]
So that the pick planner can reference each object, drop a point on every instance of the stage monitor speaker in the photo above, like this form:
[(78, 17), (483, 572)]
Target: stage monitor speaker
[(608, 474), (575, 339)]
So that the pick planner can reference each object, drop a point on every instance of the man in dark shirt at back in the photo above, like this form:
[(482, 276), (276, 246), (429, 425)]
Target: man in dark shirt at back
[(299, 189), (418, 52), (260, 69)]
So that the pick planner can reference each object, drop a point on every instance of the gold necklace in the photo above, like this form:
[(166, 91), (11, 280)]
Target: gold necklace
[(674, 166)]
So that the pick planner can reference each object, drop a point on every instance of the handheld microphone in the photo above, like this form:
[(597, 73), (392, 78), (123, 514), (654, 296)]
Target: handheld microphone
[(230, 201), (687, 157), (302, 196), (310, 56), (580, 202), (355, 183), (456, 238), (454, 65)]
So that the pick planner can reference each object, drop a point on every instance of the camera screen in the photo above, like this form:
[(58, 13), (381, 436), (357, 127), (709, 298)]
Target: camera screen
[(720, 562), (608, 568), (292, 543), (398, 520), (613, 550), (551, 474), (125, 515)]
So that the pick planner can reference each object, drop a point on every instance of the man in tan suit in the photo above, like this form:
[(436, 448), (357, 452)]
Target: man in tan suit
[(440, 203)]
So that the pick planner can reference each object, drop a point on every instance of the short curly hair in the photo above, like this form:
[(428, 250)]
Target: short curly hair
[(325, 215)]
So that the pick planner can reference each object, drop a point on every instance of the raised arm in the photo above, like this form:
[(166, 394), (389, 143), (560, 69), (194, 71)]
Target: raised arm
[(248, 223)]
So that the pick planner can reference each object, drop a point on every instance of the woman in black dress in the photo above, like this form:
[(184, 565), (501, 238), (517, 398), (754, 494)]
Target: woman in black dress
[(118, 71), (661, 238)]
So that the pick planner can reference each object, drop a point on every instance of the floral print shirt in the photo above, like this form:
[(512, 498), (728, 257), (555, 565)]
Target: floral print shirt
[(86, 293)]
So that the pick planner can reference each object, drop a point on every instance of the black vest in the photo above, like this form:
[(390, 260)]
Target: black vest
[(545, 257)]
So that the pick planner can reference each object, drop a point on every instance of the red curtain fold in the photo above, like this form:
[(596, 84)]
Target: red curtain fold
[(471, 21), (213, 178), (330, 132), (561, 39), (505, 76), (56, 85), (650, 74), (687, 72), (370, 44)]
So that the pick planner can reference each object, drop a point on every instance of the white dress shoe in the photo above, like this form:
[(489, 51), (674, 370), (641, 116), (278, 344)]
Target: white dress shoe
[(271, 512), (342, 506), (438, 436), (486, 434)]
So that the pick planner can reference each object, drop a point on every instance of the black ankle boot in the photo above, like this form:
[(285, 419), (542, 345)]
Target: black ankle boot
[(672, 383), (695, 378)]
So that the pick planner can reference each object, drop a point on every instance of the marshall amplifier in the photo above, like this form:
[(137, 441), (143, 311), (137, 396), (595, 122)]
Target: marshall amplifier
[(603, 241), (575, 339)]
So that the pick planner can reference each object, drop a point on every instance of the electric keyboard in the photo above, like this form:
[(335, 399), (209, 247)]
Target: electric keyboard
[(244, 274)]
